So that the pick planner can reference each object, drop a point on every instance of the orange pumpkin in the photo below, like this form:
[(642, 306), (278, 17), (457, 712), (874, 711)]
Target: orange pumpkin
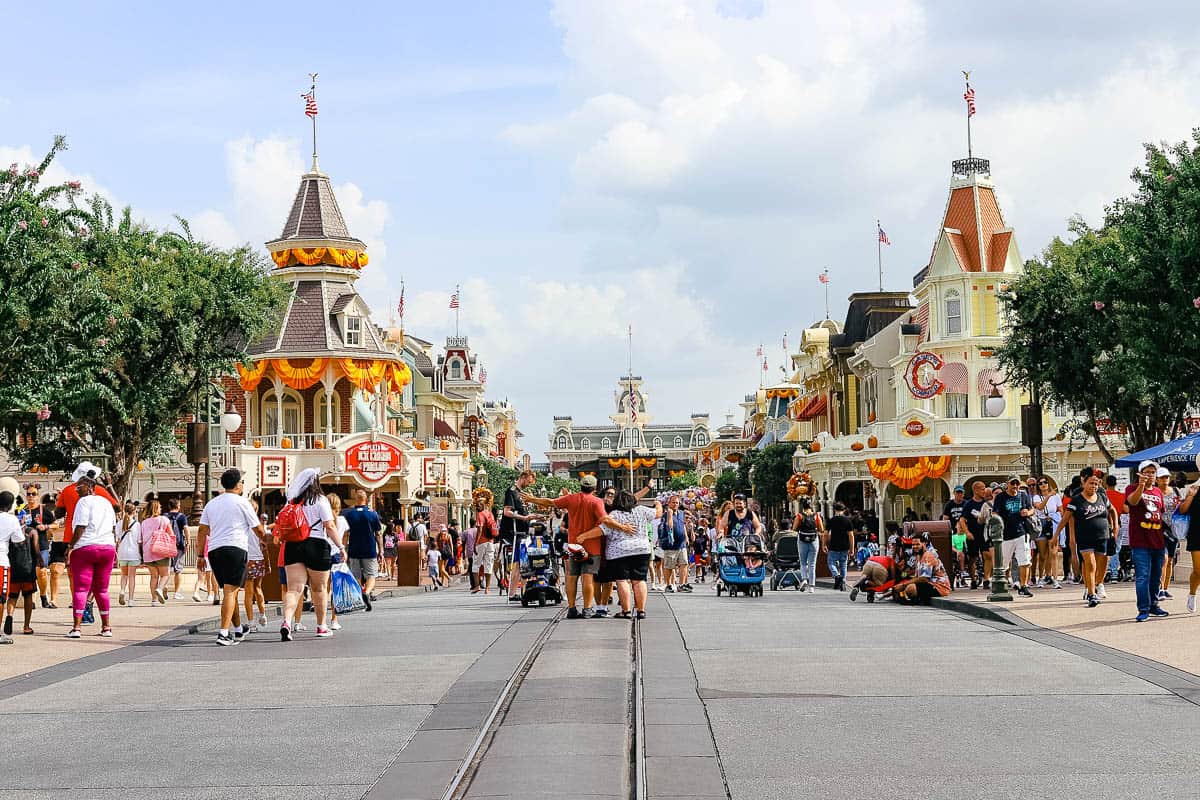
[(871, 417), (258, 442), (815, 447), (319, 444), (856, 446), (946, 438), (419, 445), (872, 441), (444, 444), (285, 443)]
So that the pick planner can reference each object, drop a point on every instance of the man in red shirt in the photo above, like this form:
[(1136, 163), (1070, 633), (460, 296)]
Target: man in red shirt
[(1145, 502), (586, 511), (485, 540)]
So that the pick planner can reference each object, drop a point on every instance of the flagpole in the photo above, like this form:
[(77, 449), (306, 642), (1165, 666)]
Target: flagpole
[(967, 79), (632, 412), (313, 90), (826, 282), (457, 306)]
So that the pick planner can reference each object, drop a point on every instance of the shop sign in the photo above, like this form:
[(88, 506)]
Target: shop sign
[(914, 427), (921, 376), (272, 472), (373, 460)]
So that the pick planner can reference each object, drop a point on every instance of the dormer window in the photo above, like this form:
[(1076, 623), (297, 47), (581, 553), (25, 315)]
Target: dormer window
[(353, 331), (953, 314), (455, 370)]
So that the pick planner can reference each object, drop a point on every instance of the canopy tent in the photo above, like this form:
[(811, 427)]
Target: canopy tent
[(1177, 454)]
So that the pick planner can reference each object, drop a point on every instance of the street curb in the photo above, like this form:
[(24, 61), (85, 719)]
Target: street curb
[(978, 611)]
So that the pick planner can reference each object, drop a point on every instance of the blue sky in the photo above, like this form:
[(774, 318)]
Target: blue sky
[(685, 166)]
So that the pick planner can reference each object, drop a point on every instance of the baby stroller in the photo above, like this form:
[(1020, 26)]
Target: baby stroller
[(785, 560), (741, 566), (539, 573)]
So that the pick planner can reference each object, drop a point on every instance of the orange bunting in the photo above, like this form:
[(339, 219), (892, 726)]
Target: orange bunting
[(299, 378), (366, 375), (398, 376), (907, 473), (250, 377), (638, 463), (311, 256)]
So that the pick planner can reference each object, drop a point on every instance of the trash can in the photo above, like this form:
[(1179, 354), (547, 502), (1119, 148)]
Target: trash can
[(408, 563)]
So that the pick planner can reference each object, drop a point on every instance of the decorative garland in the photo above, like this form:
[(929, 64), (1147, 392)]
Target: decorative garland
[(907, 473), (638, 463), (789, 393), (309, 257), (800, 485), (299, 378), (365, 375), (250, 377)]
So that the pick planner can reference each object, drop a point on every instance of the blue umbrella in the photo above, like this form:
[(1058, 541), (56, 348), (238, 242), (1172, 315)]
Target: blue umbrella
[(1178, 453)]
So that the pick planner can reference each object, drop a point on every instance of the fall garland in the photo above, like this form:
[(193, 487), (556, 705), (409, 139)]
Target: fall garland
[(907, 473), (311, 256)]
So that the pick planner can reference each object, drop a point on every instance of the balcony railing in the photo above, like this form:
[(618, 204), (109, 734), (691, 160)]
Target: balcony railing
[(297, 441), (962, 167)]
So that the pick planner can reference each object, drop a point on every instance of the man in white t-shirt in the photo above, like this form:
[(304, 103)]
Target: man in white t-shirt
[(10, 531), (227, 521)]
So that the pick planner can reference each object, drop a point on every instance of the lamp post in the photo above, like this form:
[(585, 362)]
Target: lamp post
[(1031, 422), (1000, 589)]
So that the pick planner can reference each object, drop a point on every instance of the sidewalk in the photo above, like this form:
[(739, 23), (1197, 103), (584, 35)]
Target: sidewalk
[(49, 646), (1173, 640)]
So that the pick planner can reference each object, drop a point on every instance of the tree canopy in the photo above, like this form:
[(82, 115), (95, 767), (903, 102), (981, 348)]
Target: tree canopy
[(1108, 322), (153, 316)]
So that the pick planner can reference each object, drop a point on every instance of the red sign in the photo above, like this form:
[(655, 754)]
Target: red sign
[(919, 368), (373, 460), (914, 427)]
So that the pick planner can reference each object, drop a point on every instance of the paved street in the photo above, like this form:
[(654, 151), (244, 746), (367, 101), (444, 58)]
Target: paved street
[(781, 696)]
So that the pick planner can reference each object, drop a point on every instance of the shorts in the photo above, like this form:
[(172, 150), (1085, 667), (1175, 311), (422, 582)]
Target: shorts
[(177, 563), (1111, 550), (389, 552), (162, 562), (1172, 547), (58, 552), (1193, 543), (926, 592), (228, 565), (125, 562), (673, 559), (978, 545), (18, 588), (1097, 546), (876, 574), (1047, 531), (589, 566), (626, 568), (45, 562), (1018, 547), (312, 552), (256, 568), (485, 554), (364, 569), (283, 577)]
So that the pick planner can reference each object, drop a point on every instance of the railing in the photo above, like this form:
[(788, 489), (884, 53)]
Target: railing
[(971, 166), (297, 441)]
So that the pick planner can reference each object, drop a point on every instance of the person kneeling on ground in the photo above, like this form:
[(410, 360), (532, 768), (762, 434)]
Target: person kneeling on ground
[(930, 579), (877, 576)]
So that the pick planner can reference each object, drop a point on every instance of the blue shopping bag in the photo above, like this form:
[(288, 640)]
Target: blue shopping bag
[(347, 594)]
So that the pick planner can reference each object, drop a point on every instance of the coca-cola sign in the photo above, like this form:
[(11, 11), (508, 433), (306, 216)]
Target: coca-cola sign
[(374, 461), (914, 427)]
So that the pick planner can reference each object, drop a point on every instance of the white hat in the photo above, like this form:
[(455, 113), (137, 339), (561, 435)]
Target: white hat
[(302, 481), (83, 469), (1147, 463), (1163, 472)]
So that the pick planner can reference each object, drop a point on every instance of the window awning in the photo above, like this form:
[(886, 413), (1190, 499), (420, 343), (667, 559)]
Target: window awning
[(793, 434), (813, 409), (442, 430), (954, 375)]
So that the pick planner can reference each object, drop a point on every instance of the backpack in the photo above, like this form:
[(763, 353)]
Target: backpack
[(292, 524), (807, 527), (179, 523), (162, 542)]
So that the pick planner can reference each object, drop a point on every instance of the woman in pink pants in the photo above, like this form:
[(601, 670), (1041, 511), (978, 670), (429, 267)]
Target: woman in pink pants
[(91, 554)]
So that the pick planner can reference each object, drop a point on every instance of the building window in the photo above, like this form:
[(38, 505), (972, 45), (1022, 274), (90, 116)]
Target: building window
[(630, 438), (327, 412), (585, 443), (956, 405), (291, 414), (657, 442), (455, 370), (953, 314), (701, 439), (606, 443), (561, 444), (354, 331), (678, 442)]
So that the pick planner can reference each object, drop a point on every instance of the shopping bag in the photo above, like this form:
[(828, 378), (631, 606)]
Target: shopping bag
[(347, 594)]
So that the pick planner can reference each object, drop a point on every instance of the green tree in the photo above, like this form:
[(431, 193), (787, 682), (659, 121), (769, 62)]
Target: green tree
[(1108, 323), (499, 476), (772, 468), (729, 483), (552, 486), (685, 481), (172, 314)]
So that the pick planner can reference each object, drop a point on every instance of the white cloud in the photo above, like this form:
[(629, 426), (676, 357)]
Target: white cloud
[(58, 171)]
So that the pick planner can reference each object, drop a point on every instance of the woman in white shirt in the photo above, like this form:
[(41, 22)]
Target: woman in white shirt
[(129, 552), (343, 528), (90, 555), (627, 555), (311, 559)]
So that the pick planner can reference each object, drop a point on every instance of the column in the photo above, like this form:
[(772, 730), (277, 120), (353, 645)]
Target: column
[(278, 411)]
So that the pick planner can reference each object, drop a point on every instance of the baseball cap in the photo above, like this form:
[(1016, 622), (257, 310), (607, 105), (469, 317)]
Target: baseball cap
[(1014, 479), (959, 489), (1147, 463), (1163, 472), (588, 481), (994, 486)]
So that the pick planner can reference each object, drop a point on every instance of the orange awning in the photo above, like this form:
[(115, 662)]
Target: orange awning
[(813, 409)]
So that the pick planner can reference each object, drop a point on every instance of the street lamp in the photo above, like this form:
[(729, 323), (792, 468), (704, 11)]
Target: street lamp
[(231, 421), (994, 404)]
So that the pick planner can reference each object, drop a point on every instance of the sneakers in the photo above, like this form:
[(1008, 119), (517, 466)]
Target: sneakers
[(177, 596), (670, 589), (196, 596), (367, 600), (1054, 584), (162, 597), (1141, 617), (5, 638), (285, 632), (1024, 591), (1093, 601), (602, 611), (335, 626), (225, 640), (854, 594), (74, 633), (107, 632), (212, 598), (572, 613), (812, 589), (1191, 603), (121, 599), (323, 632), (803, 585), (300, 626), (1103, 595), (588, 613), (1159, 612), (262, 620), (1163, 594), (686, 588)]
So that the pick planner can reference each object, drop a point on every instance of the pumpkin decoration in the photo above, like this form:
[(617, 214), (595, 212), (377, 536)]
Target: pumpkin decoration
[(872, 441), (258, 442), (946, 438), (815, 447), (419, 445), (444, 444), (319, 444), (856, 446), (871, 417), (285, 443)]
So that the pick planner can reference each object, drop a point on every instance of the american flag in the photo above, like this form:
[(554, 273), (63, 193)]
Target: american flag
[(400, 305), (823, 277), (632, 408), (759, 351), (969, 96), (785, 341), (883, 236), (454, 299), (310, 102), (483, 376)]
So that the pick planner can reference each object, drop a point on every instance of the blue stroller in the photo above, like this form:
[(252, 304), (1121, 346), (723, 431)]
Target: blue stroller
[(741, 565), (539, 573)]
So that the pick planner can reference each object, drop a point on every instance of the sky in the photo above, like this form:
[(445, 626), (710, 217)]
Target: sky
[(682, 168)]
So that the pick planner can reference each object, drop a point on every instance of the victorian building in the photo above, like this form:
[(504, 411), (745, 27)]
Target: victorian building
[(630, 446)]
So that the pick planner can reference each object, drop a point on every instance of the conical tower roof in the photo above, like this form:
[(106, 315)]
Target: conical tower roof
[(315, 219)]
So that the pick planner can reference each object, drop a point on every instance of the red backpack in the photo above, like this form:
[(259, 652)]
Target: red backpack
[(292, 525)]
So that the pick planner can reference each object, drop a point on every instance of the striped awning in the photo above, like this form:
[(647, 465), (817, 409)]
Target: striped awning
[(955, 376), (984, 379), (813, 409)]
